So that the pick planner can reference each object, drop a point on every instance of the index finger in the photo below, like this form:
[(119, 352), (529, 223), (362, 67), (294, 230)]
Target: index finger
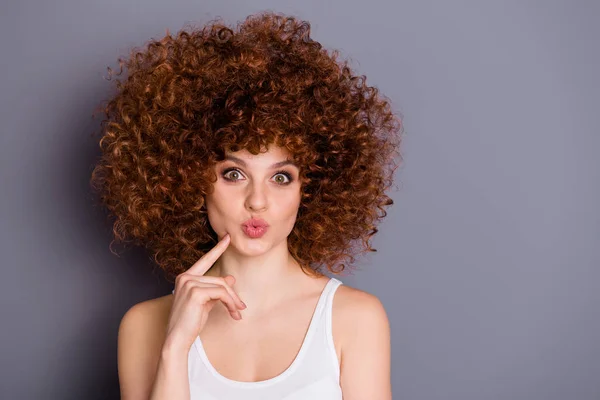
[(206, 261)]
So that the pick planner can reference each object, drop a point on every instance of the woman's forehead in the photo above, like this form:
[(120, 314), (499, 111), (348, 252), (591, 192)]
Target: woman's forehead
[(272, 154)]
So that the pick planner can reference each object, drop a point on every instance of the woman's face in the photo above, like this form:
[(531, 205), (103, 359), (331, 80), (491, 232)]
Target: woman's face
[(264, 186)]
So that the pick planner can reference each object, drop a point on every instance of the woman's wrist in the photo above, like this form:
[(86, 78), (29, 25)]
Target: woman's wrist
[(171, 381), (174, 347)]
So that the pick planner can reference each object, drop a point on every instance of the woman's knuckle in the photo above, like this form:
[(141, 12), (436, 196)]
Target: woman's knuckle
[(188, 283), (196, 293)]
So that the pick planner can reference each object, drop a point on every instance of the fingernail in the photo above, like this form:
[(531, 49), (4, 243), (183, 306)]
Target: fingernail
[(244, 304)]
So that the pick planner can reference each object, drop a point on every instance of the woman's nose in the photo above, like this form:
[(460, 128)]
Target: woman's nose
[(256, 199)]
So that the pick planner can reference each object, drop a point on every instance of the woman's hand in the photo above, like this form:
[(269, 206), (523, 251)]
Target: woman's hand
[(195, 295)]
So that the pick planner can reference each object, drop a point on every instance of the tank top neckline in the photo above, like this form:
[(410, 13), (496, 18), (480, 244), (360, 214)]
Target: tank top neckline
[(295, 363)]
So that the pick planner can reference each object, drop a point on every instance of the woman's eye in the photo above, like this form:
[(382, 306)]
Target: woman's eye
[(231, 176), (287, 178), (281, 178)]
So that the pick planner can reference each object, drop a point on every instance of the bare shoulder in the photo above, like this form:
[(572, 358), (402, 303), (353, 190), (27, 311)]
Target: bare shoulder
[(352, 307), (141, 335), (358, 316), (153, 309), (361, 333)]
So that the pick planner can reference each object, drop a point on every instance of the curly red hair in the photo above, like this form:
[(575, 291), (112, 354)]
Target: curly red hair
[(189, 99)]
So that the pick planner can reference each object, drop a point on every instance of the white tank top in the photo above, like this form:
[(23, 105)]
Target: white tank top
[(314, 374)]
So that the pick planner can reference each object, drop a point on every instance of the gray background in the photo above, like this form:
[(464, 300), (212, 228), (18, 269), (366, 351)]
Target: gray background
[(487, 263)]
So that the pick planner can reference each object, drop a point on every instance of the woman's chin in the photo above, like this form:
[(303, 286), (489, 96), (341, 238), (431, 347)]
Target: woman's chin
[(250, 246)]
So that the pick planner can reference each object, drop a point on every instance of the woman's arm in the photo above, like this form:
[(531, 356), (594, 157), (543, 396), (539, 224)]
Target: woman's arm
[(172, 380), (366, 348), (149, 367)]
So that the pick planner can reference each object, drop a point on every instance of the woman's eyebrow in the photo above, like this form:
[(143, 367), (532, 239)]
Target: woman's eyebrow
[(276, 165)]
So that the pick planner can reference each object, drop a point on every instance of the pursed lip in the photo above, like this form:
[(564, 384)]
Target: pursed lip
[(256, 222)]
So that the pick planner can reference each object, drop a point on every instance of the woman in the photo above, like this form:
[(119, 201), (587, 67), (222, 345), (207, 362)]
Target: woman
[(249, 161)]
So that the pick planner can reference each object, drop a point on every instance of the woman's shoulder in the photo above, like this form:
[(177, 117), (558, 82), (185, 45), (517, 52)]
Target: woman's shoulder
[(142, 332), (144, 326), (351, 300), (361, 325), (152, 313), (358, 314)]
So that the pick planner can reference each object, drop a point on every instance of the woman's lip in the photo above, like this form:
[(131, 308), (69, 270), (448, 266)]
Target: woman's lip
[(254, 232), (255, 222)]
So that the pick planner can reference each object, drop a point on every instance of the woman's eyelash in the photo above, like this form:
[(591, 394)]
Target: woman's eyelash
[(287, 175)]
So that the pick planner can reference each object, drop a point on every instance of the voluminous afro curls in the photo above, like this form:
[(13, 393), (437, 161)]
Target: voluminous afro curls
[(189, 99)]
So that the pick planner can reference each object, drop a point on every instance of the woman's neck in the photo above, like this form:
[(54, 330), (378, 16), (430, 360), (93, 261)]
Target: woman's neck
[(262, 281)]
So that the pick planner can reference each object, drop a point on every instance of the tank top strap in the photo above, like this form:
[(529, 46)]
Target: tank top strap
[(325, 302), (325, 346), (322, 312), (328, 294), (329, 291)]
